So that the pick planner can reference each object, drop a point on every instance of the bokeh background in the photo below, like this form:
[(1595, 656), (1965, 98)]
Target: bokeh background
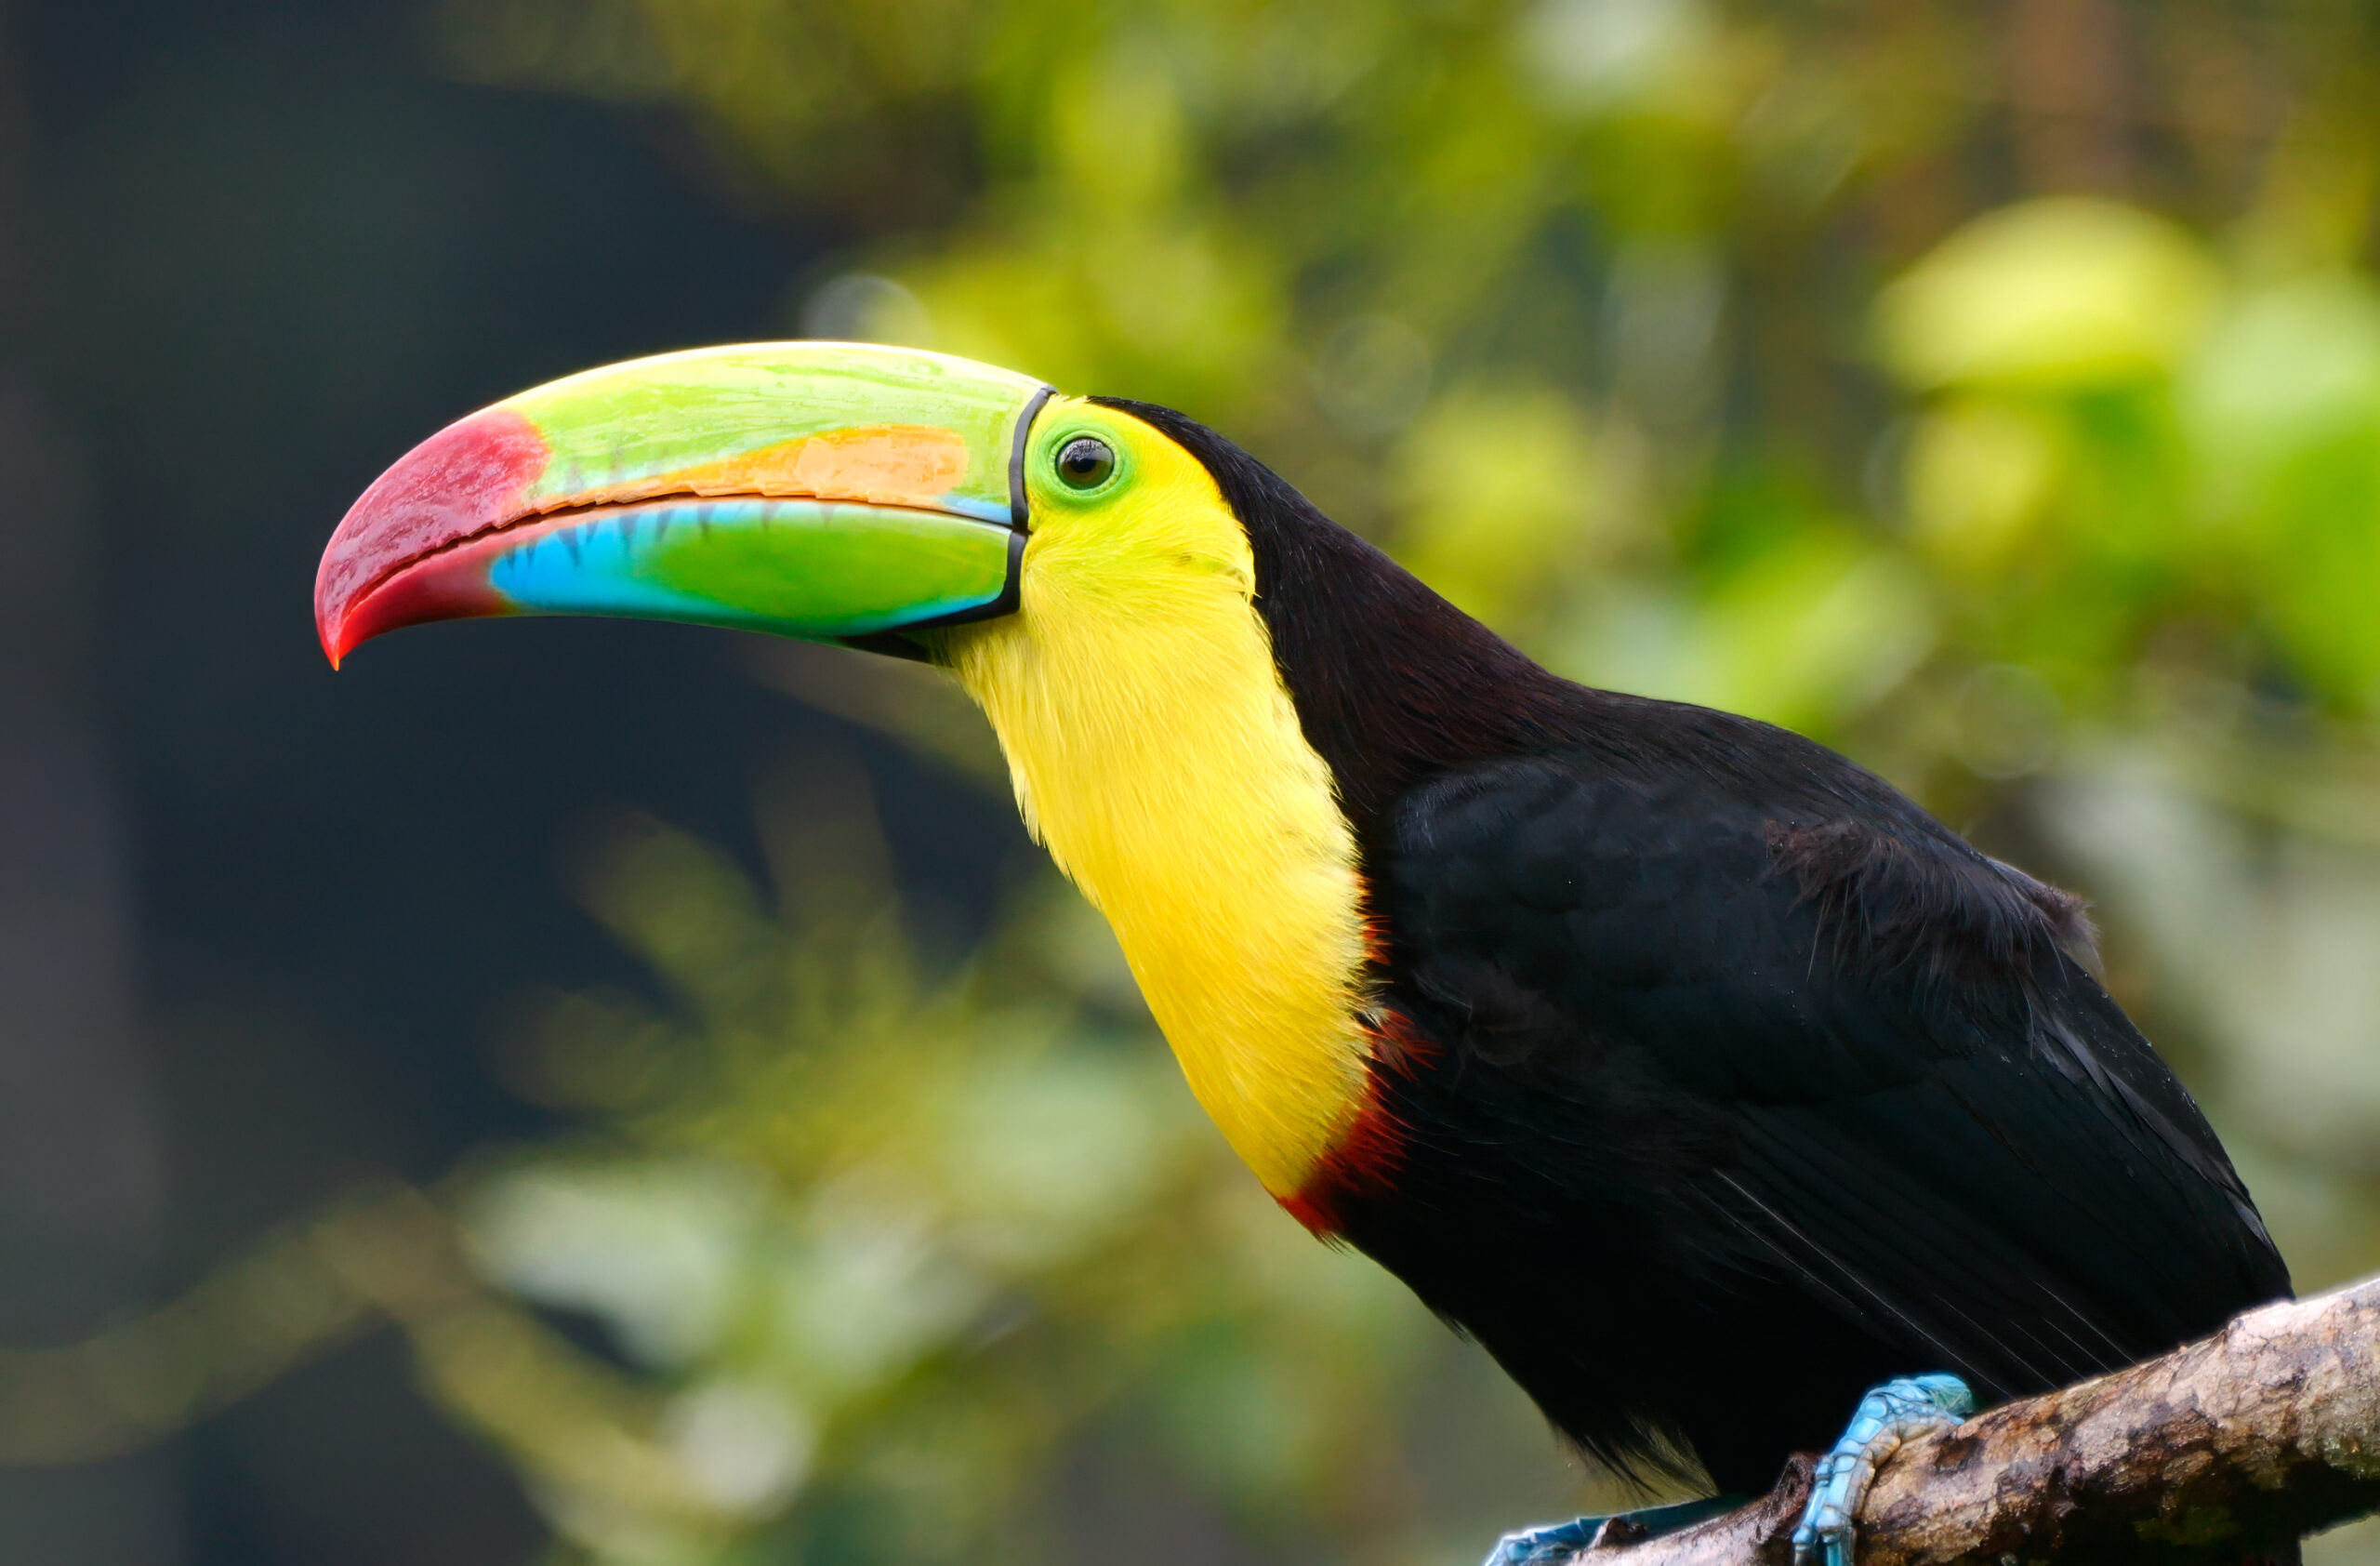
[(603, 1093)]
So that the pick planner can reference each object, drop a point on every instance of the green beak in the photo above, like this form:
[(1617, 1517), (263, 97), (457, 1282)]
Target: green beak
[(837, 491)]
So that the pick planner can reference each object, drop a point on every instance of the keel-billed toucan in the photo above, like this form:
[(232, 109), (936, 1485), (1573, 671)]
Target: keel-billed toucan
[(1699, 1075)]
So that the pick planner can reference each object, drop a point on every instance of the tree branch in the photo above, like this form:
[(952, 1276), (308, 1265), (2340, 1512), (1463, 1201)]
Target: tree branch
[(2227, 1448)]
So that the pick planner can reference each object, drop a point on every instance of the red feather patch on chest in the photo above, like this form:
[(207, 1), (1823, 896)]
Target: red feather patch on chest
[(1367, 1157)]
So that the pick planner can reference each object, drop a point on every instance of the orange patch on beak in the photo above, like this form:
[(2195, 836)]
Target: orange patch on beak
[(893, 464), (883, 465)]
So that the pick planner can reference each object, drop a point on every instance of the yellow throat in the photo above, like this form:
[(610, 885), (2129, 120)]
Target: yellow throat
[(1157, 755)]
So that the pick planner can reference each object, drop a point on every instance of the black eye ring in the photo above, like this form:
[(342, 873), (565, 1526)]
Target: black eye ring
[(1085, 462)]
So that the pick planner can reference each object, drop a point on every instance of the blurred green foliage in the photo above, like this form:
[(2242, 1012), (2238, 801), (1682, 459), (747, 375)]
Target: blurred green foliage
[(1993, 391), (905, 1246)]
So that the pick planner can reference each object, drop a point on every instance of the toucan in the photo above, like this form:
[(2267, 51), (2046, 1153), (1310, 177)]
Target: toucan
[(1715, 1088)]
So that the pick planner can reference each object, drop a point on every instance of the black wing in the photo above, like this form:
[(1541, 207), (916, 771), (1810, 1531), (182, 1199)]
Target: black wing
[(1832, 1044)]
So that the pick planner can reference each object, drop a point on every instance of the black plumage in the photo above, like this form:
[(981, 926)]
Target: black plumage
[(1737, 1083)]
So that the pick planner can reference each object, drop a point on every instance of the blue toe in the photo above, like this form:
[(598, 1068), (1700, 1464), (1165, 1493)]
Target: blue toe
[(1898, 1411), (1543, 1546)]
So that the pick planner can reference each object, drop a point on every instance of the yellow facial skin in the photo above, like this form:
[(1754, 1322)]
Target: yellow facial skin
[(1157, 757)]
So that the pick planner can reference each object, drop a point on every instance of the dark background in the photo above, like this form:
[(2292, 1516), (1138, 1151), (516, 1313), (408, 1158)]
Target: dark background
[(261, 922)]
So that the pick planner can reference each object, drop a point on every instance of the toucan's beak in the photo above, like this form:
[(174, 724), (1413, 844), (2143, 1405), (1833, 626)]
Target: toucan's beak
[(831, 491)]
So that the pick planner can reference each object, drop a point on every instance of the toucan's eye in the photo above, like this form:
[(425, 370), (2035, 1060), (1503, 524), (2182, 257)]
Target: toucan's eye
[(1085, 462)]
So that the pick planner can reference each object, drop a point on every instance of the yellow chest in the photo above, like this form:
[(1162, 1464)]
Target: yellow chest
[(1157, 756)]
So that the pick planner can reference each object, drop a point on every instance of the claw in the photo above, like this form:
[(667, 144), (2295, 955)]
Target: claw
[(1543, 1546), (1899, 1411), (1559, 1542)]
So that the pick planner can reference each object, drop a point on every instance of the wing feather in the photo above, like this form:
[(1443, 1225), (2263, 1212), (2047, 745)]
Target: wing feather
[(1924, 1110)]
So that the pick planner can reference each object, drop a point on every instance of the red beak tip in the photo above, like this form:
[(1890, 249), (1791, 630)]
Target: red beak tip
[(333, 647), (460, 481)]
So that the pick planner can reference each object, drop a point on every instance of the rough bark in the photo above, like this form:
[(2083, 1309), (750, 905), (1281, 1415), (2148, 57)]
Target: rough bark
[(2225, 1450)]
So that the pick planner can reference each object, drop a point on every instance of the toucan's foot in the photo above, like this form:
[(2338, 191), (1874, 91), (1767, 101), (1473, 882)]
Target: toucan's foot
[(1898, 1411), (1545, 1546)]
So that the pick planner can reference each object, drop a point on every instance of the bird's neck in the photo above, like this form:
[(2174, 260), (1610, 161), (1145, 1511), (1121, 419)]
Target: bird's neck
[(1391, 684), (1159, 757)]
